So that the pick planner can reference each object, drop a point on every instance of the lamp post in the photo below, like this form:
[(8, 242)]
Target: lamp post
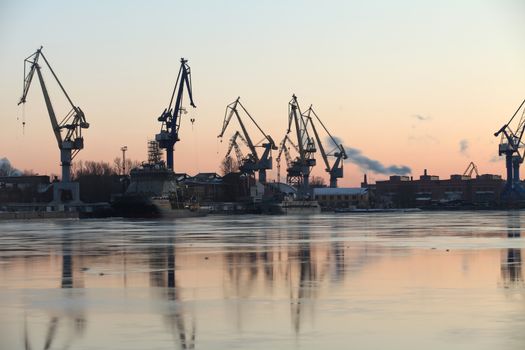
[(124, 149)]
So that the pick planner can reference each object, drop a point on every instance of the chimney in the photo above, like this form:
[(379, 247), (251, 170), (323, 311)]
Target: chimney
[(425, 173), (364, 184)]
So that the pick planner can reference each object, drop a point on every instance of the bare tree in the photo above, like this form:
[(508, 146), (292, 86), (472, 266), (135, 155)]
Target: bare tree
[(317, 181), (130, 164), (229, 165), (77, 169), (29, 172), (89, 167)]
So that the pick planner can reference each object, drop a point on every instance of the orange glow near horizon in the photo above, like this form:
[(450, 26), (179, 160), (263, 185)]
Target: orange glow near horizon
[(410, 84)]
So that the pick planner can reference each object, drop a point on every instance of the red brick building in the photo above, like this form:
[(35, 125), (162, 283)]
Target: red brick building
[(405, 192)]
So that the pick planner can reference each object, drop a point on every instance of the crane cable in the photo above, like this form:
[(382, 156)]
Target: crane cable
[(195, 150)]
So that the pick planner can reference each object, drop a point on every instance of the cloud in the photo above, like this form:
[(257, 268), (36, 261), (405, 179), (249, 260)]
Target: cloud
[(420, 117), (418, 135), (6, 169), (463, 147)]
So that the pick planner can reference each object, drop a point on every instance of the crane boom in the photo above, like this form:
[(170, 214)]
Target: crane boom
[(171, 116), (50, 110), (336, 170), (247, 164), (472, 168), (253, 160), (232, 108), (235, 146), (233, 142), (284, 149), (72, 141), (316, 134)]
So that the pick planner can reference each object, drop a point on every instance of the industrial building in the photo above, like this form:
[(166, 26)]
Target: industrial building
[(25, 189), (429, 191), (330, 198)]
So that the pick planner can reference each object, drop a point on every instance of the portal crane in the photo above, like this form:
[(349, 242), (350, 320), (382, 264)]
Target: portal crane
[(472, 168), (247, 164), (171, 116), (69, 143), (510, 144), (262, 163), (336, 170), (299, 171), (283, 148)]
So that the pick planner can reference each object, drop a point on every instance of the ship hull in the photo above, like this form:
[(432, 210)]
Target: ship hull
[(297, 207)]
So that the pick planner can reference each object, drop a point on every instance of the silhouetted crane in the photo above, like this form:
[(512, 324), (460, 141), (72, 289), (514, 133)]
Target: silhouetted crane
[(69, 143), (299, 170), (336, 170), (255, 163), (247, 164), (171, 116), (510, 144), (283, 148), (472, 168)]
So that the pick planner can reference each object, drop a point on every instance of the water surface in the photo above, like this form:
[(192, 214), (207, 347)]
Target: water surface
[(369, 281)]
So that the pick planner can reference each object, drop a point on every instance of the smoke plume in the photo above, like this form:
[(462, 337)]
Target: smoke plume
[(496, 159), (463, 147), (421, 117), (357, 157), (6, 169)]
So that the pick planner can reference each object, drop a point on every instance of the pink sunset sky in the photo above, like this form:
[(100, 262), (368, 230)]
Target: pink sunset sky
[(421, 84)]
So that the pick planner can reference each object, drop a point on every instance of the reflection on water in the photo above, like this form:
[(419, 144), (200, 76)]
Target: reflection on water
[(438, 280), (511, 265), (72, 322)]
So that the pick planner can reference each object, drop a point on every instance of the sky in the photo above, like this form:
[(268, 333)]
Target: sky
[(416, 84)]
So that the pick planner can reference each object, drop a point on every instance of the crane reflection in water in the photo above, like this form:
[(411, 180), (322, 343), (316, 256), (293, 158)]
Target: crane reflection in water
[(73, 317), (163, 277), (511, 272)]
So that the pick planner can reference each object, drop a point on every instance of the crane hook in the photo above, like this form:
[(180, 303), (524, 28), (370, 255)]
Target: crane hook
[(23, 119)]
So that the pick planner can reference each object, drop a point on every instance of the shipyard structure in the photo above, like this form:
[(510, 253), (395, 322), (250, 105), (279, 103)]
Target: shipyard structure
[(237, 193), (159, 188), (431, 192)]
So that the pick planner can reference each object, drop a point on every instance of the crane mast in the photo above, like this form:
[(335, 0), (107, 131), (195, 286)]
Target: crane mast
[(69, 143), (299, 172), (254, 162), (336, 170), (171, 116), (510, 144)]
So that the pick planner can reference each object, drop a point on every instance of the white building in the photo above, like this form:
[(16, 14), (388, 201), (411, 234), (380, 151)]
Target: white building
[(350, 197)]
